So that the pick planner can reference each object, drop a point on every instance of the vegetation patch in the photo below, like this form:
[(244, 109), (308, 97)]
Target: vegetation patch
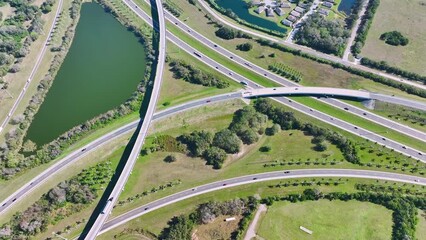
[(328, 36), (66, 198), (394, 38), (286, 71)]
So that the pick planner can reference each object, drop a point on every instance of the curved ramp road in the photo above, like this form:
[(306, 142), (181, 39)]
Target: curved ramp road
[(297, 106), (124, 176), (303, 173), (79, 153), (34, 70), (271, 76), (307, 49)]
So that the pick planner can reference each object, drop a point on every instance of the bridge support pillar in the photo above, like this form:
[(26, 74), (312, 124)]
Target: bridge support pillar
[(370, 104)]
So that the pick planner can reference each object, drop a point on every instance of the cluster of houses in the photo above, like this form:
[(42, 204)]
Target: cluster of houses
[(295, 14), (270, 6), (328, 3)]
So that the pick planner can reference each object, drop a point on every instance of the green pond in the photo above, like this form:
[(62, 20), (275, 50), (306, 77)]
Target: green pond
[(239, 7), (101, 70)]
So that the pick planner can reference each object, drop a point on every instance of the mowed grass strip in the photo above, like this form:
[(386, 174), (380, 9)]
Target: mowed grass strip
[(361, 122), (327, 219)]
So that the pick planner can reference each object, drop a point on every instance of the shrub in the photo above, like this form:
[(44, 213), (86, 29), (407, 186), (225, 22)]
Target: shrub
[(394, 38)]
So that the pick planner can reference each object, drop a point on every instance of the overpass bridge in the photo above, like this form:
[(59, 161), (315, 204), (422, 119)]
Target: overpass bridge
[(333, 93)]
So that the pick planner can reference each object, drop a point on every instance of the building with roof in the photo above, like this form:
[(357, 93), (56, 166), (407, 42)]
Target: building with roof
[(269, 12), (287, 22), (330, 1), (279, 11), (292, 18), (260, 9), (299, 9), (285, 5), (303, 5), (323, 11), (327, 4), (295, 14)]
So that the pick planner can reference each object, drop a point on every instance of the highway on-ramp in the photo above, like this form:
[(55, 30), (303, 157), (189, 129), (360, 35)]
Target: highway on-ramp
[(143, 131), (34, 70), (284, 174), (263, 72)]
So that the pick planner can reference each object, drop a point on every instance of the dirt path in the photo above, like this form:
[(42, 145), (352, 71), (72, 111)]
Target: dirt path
[(251, 231), (354, 31)]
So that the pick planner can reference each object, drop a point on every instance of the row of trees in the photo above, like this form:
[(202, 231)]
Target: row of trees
[(382, 65), (229, 33), (286, 71), (63, 200), (287, 120), (180, 227), (325, 35), (376, 78), (189, 73), (363, 28)]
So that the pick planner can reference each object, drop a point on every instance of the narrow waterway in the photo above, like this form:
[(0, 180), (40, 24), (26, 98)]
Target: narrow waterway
[(239, 7), (101, 70)]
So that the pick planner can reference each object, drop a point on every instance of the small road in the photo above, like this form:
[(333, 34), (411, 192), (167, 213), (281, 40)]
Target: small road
[(143, 131), (227, 183), (307, 49), (251, 231), (34, 70), (354, 31)]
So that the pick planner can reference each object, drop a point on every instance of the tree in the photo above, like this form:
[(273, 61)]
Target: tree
[(226, 33), (320, 147), (266, 148), (227, 141), (276, 128), (197, 142), (244, 47), (29, 146), (170, 159), (249, 136), (394, 38), (215, 156)]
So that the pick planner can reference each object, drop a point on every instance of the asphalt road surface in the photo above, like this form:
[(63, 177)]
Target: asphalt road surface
[(302, 173)]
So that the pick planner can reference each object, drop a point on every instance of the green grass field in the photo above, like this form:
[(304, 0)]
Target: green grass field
[(327, 220), (421, 226), (407, 17)]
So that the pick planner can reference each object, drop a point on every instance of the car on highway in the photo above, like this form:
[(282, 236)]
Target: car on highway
[(208, 100), (244, 83), (286, 172), (84, 149), (224, 184), (255, 178), (347, 109)]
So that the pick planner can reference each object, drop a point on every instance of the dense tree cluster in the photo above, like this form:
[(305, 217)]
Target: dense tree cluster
[(229, 33), (376, 78), (64, 199), (245, 47), (328, 36), (46, 7), (187, 72), (382, 65), (287, 121), (180, 227), (197, 142), (394, 38), (363, 28)]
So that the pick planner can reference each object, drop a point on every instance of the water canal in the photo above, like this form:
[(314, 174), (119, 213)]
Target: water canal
[(101, 70)]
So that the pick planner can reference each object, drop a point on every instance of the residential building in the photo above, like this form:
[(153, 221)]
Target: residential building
[(323, 11), (269, 12), (292, 18), (299, 9), (287, 22), (260, 10), (327, 4), (285, 5), (279, 11), (296, 14)]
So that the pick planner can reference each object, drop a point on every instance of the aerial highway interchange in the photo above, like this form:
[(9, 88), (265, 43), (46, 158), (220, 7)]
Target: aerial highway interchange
[(250, 90)]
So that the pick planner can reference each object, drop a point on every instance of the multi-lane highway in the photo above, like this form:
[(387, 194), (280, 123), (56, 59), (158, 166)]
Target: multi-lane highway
[(375, 137), (262, 72), (34, 70), (306, 49), (143, 131), (94, 145), (335, 92), (302, 173)]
